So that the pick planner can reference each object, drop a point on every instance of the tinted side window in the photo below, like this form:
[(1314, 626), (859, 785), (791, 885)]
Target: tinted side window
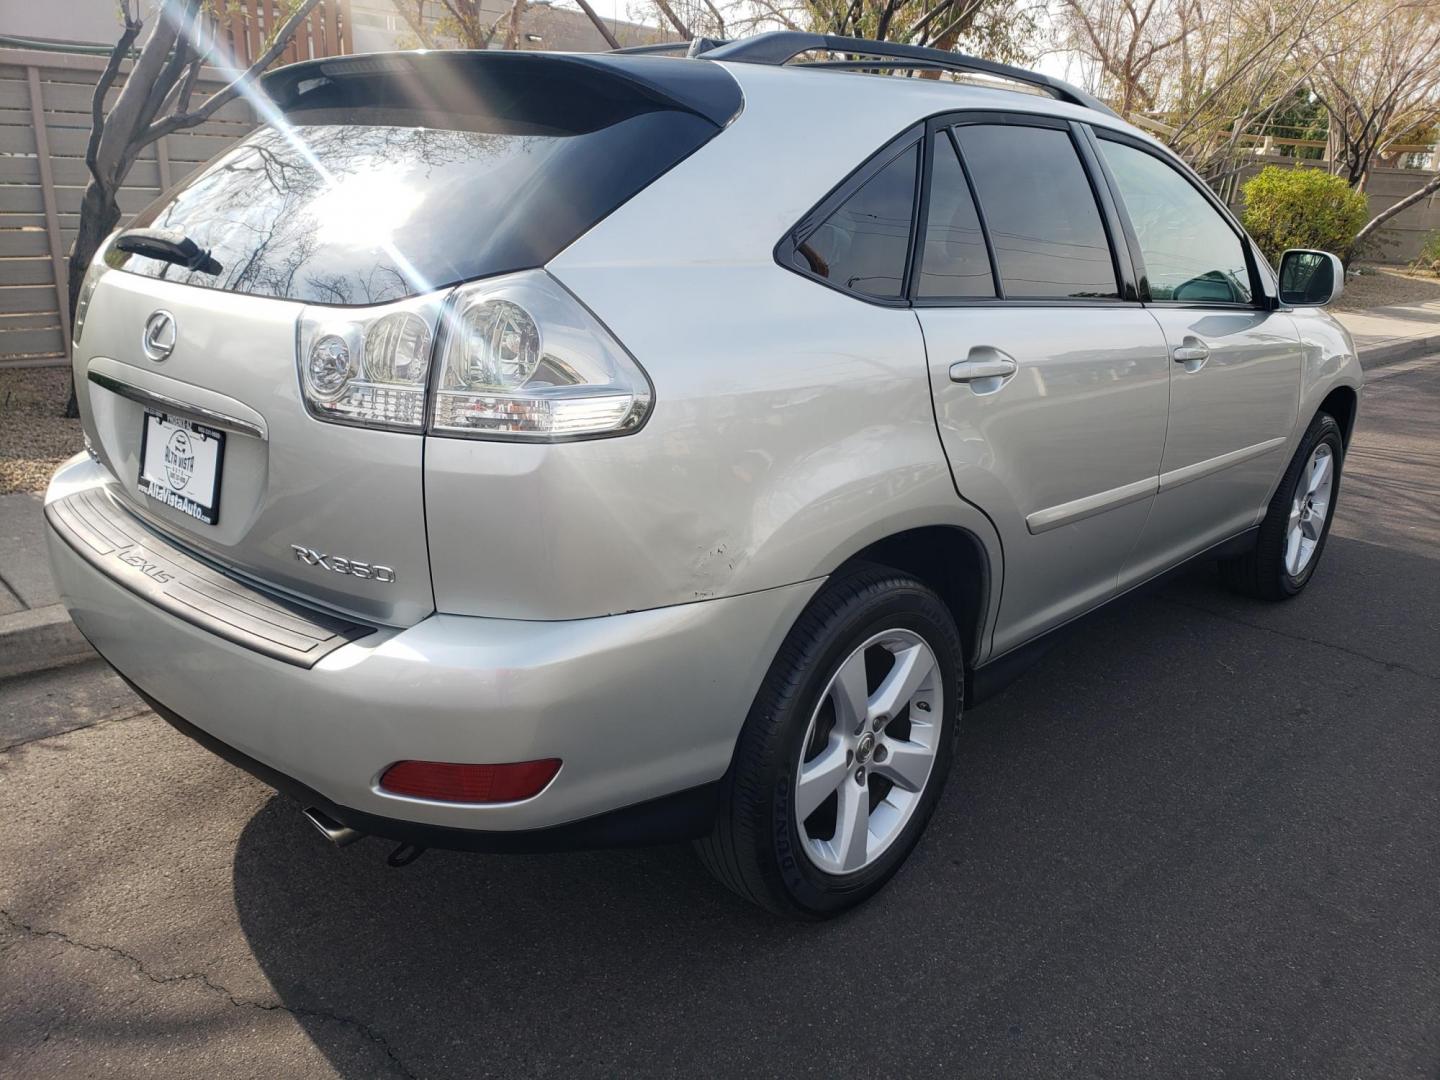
[(1190, 252), (1044, 224), (862, 245), (955, 263)]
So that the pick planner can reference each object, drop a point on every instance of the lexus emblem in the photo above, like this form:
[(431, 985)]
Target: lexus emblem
[(159, 339)]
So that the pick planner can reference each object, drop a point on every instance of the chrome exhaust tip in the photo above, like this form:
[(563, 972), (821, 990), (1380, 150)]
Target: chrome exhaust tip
[(332, 830)]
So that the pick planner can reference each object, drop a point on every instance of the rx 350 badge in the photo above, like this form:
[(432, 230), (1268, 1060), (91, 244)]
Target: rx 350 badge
[(339, 564)]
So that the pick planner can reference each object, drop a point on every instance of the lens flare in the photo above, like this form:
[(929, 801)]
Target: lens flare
[(216, 55)]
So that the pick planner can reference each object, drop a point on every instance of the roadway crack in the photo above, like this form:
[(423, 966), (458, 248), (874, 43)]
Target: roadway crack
[(1388, 665), (204, 980)]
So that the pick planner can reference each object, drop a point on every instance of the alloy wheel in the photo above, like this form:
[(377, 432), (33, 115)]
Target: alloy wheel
[(1309, 510), (869, 751)]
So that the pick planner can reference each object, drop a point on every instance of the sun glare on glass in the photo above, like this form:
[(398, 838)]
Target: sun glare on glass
[(366, 207), (379, 225)]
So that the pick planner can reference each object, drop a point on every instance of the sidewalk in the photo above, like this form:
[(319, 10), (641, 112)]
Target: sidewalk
[(1384, 335), (36, 632)]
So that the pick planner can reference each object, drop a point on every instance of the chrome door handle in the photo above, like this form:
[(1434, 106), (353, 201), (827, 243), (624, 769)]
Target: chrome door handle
[(1184, 354), (984, 363)]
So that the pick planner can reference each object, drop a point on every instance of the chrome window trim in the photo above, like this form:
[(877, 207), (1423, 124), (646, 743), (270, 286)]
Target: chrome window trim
[(198, 412)]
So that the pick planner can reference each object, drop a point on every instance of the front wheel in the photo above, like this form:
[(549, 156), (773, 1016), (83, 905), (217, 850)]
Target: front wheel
[(1293, 533), (846, 748)]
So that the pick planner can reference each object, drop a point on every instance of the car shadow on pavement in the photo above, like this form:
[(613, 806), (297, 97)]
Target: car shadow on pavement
[(1140, 847)]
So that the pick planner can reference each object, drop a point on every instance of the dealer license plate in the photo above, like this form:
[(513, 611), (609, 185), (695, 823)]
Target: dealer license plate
[(180, 465)]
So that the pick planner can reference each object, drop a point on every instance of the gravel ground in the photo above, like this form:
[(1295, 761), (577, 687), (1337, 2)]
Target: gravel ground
[(34, 434), (1383, 286)]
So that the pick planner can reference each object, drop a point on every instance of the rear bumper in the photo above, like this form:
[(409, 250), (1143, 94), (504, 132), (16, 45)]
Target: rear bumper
[(638, 706), (681, 816)]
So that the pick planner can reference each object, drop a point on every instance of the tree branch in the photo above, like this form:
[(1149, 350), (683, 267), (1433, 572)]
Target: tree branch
[(413, 12), (925, 20), (598, 23), (669, 13), (107, 80), (185, 21), (1385, 215), (228, 93), (187, 84), (719, 18)]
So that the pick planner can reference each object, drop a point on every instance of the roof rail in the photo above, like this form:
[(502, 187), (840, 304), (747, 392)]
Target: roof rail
[(693, 47), (781, 46)]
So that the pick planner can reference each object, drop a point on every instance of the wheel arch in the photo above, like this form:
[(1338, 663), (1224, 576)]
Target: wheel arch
[(953, 561), (1343, 403)]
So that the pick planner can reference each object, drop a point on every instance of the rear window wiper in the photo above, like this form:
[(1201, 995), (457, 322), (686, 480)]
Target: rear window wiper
[(168, 246)]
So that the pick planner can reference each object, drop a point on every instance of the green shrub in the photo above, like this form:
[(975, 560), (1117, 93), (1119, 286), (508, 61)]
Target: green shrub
[(1429, 259), (1303, 208)]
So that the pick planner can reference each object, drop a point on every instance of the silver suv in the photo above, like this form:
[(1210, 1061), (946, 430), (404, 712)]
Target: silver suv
[(513, 451)]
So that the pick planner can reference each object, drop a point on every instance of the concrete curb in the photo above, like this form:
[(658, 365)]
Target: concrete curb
[(44, 638), (39, 639), (1393, 352)]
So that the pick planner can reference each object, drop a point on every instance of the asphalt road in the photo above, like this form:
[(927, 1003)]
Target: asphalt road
[(1201, 839)]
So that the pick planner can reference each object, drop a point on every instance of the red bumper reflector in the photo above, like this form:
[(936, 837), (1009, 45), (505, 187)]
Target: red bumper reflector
[(447, 782)]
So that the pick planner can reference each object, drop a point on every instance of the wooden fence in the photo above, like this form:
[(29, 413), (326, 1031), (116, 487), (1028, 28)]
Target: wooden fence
[(326, 31), (45, 102), (44, 127)]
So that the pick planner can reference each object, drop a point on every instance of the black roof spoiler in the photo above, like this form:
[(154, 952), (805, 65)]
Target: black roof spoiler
[(457, 80)]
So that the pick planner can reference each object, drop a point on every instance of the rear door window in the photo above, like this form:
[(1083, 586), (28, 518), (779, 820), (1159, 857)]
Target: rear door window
[(1044, 223), (862, 246), (955, 263)]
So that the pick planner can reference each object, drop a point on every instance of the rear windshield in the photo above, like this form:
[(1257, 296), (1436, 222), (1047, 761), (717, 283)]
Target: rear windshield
[(357, 207)]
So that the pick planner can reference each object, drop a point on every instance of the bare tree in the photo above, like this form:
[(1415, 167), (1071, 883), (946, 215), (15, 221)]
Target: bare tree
[(1203, 75), (440, 24), (153, 103), (467, 24), (1002, 29), (1238, 65), (1377, 72), (1126, 40)]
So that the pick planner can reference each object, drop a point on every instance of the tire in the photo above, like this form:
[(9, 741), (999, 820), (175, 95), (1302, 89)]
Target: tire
[(1271, 570), (806, 713)]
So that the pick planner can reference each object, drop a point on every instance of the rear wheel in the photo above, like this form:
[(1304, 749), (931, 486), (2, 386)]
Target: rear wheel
[(845, 751), (1293, 533)]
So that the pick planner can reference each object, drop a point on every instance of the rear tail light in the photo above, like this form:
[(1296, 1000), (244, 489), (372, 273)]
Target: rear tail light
[(443, 781), (369, 366), (523, 359), (515, 357), (93, 274)]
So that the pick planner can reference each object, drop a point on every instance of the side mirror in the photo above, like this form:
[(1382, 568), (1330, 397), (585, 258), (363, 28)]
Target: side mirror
[(1310, 278)]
